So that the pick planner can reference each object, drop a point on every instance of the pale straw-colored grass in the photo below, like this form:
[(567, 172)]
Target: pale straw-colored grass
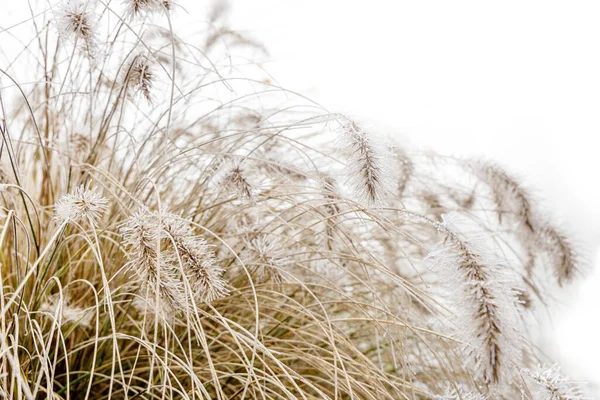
[(175, 225)]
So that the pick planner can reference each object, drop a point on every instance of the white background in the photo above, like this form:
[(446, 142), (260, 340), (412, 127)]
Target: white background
[(515, 81)]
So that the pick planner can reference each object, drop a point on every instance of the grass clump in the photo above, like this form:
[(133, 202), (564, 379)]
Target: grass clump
[(175, 225)]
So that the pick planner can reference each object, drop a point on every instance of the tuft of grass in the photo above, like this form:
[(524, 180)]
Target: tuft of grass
[(175, 225)]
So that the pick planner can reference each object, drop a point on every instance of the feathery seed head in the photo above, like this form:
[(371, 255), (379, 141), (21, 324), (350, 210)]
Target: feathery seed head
[(141, 76), (407, 169), (508, 194), (197, 258), (368, 163), (486, 305), (208, 282), (512, 199), (168, 5), (560, 251), (141, 235), (233, 178), (328, 186), (141, 231), (78, 20), (141, 8), (82, 204), (264, 257)]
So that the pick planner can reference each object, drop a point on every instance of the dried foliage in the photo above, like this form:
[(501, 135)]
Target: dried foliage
[(175, 226)]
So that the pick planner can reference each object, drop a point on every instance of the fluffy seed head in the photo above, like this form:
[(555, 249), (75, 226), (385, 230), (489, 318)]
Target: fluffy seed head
[(209, 282), (263, 255), (367, 168), (198, 260), (407, 170), (168, 5), (233, 178), (508, 194), (141, 76), (77, 20), (512, 199), (82, 204), (486, 306), (141, 235), (332, 209), (561, 252), (140, 8)]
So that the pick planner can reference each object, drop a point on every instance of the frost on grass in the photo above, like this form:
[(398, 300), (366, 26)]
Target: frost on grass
[(245, 252), (197, 258), (146, 8), (515, 204), (485, 305), (551, 384), (77, 20), (167, 255), (264, 257), (141, 76), (233, 177), (460, 394), (154, 267), (368, 165)]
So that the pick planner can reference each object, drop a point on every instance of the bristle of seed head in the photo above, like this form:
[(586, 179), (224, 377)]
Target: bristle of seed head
[(331, 206)]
